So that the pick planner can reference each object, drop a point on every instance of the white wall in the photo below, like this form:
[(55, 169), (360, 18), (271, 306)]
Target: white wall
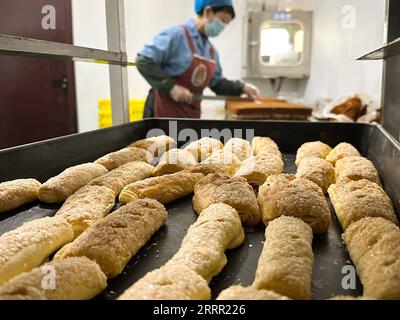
[(334, 71)]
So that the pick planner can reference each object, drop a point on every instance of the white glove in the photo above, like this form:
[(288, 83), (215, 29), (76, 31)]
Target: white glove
[(252, 91), (181, 94)]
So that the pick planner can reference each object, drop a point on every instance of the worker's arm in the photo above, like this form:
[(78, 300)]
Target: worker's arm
[(154, 75), (227, 87)]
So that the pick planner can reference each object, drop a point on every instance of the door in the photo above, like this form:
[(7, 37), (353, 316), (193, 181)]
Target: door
[(37, 96)]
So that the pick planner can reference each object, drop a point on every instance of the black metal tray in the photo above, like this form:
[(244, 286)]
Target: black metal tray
[(46, 159)]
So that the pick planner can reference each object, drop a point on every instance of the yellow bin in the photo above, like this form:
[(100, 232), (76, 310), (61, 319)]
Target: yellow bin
[(136, 108)]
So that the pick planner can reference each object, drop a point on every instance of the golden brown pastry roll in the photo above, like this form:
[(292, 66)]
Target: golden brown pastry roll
[(28, 246), (155, 145), (16, 193), (128, 173), (86, 206), (239, 147), (59, 188), (203, 249), (173, 161), (349, 298), (207, 169), (285, 264), (317, 170), (265, 145), (354, 200), (286, 195), (114, 240), (74, 279), (315, 149), (233, 191), (374, 247), (169, 283), (257, 169), (116, 159), (225, 158), (342, 150), (164, 189), (249, 293), (203, 148), (356, 168)]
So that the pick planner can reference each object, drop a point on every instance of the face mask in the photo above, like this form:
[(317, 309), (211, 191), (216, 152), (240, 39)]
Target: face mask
[(214, 28)]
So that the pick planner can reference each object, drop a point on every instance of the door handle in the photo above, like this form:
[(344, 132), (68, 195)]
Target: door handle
[(62, 83)]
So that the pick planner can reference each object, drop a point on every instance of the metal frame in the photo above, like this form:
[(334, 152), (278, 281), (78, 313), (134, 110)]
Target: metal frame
[(116, 56)]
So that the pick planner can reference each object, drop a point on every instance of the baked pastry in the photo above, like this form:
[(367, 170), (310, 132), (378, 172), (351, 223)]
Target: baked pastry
[(86, 206), (116, 159), (374, 247), (340, 298), (317, 170), (207, 169), (233, 191), (342, 150), (128, 173), (203, 148), (265, 145), (356, 168), (164, 189), (174, 160), (16, 193), (315, 149), (203, 249), (225, 158), (28, 246), (114, 240), (59, 188), (239, 147), (74, 279), (354, 200), (286, 195), (285, 264), (155, 145), (257, 169), (249, 293), (176, 282)]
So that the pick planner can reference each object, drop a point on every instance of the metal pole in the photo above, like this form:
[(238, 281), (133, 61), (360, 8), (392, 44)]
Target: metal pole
[(118, 74)]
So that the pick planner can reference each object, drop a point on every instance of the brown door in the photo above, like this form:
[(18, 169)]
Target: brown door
[(37, 96)]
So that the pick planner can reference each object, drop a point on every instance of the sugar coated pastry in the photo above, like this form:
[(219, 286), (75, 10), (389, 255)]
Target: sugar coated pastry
[(217, 229), (156, 145), (317, 170), (315, 149), (354, 200), (176, 282), (174, 160), (233, 191), (16, 193), (164, 189), (59, 188), (249, 293), (203, 148), (74, 279), (265, 145), (86, 206), (207, 169), (226, 158), (285, 264), (239, 147), (356, 168), (286, 195), (342, 150), (31, 244), (114, 240), (116, 159), (374, 247)]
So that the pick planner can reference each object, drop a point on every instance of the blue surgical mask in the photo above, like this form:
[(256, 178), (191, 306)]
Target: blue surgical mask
[(214, 28)]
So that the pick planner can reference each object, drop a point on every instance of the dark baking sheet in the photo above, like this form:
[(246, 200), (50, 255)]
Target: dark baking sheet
[(45, 159)]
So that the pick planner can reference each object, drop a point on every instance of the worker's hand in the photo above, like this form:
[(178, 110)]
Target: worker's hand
[(252, 91), (181, 94)]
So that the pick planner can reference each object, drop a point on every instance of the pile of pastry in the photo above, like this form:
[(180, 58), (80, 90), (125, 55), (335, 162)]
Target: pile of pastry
[(84, 244)]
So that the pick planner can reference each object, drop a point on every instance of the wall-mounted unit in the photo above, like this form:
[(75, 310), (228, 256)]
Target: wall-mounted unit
[(278, 44)]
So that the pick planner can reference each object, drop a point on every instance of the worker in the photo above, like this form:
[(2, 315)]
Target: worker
[(181, 62)]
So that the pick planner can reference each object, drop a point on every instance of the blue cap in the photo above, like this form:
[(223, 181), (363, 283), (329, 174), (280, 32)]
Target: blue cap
[(201, 4)]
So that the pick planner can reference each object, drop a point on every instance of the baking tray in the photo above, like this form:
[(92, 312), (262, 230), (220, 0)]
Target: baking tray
[(46, 159)]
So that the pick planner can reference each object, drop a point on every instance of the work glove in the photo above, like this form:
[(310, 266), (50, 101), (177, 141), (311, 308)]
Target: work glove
[(252, 91), (181, 94)]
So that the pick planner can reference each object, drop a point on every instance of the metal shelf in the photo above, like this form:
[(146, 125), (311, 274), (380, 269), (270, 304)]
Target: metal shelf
[(390, 50)]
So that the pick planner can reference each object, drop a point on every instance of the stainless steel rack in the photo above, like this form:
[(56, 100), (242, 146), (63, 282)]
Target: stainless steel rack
[(116, 56)]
